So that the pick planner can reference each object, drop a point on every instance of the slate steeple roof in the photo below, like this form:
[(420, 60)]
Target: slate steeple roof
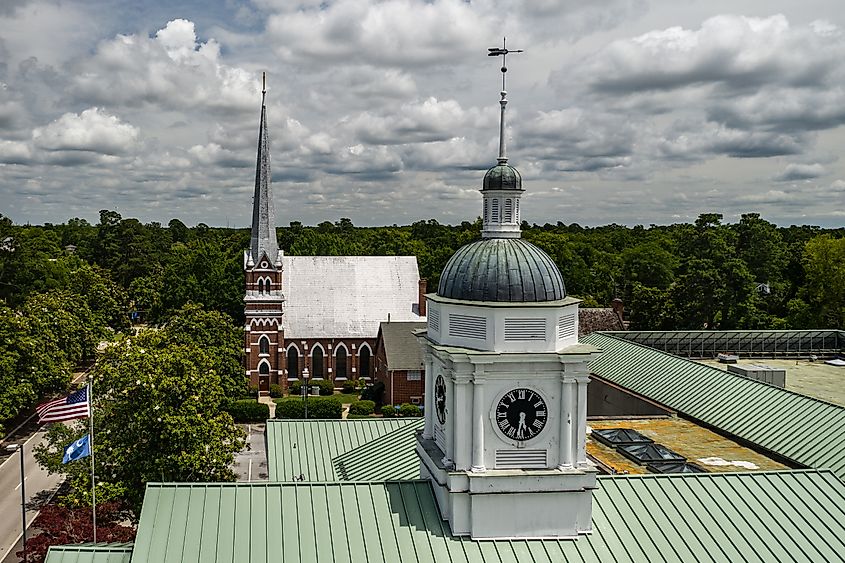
[(263, 213)]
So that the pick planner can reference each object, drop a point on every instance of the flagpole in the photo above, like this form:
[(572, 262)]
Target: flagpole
[(91, 448)]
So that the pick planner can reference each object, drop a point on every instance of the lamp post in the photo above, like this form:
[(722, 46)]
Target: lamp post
[(19, 447), (305, 376)]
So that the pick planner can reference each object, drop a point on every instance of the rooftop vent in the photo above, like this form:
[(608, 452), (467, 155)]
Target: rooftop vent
[(617, 436), (649, 453), (674, 467)]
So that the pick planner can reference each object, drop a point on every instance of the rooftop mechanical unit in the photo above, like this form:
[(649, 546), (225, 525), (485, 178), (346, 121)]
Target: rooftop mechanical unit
[(650, 453), (759, 372), (618, 436)]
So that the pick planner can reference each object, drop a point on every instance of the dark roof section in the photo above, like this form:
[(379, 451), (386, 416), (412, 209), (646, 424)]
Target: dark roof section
[(502, 270), (649, 453), (401, 346), (594, 319), (674, 467), (502, 177)]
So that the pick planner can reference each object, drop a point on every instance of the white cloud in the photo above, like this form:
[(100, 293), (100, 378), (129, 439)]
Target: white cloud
[(797, 171), (93, 130), (14, 152)]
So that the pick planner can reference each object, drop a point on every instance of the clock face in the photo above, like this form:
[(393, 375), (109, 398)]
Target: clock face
[(440, 399), (521, 414)]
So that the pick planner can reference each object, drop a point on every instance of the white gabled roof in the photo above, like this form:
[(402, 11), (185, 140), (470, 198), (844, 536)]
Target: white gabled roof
[(347, 296)]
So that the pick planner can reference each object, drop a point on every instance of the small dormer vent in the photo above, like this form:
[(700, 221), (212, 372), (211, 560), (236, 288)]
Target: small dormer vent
[(467, 326), (525, 329), (566, 326), (434, 319)]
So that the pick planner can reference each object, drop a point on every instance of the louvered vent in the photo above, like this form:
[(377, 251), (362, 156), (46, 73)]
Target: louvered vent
[(494, 210), (525, 329), (467, 326), (439, 437), (508, 210), (566, 326), (520, 459), (434, 319)]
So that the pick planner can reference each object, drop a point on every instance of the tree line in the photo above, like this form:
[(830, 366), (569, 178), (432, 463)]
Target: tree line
[(63, 287)]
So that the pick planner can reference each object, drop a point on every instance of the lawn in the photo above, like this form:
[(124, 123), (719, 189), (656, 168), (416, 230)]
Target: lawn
[(346, 397)]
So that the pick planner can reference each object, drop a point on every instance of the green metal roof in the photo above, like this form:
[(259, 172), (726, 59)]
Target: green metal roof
[(342, 450), (808, 431), (768, 516), (90, 553)]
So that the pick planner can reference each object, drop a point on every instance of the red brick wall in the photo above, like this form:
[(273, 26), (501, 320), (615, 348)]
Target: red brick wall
[(330, 346), (398, 390)]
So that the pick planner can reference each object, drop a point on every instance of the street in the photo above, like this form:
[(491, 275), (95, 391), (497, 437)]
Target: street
[(39, 487), (251, 463)]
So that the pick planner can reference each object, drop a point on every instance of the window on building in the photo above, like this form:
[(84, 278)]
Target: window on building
[(264, 369), (264, 345), (293, 363), (260, 286), (340, 362), (318, 363), (414, 375), (267, 285), (364, 361)]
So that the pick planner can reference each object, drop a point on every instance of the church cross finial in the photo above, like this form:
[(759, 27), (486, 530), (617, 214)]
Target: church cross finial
[(503, 52), (263, 86)]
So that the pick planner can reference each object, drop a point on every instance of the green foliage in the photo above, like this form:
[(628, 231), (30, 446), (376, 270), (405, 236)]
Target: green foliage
[(318, 407), (158, 415), (295, 387), (276, 390), (822, 300), (388, 411), (362, 408), (326, 386), (349, 386), (247, 410), (407, 409)]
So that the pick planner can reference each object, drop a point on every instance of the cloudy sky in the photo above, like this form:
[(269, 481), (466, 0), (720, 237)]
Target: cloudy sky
[(385, 111)]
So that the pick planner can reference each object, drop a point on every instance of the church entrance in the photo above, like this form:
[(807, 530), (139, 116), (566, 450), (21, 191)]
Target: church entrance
[(264, 378)]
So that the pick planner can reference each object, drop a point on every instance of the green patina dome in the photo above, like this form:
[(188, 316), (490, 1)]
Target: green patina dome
[(503, 270), (502, 177)]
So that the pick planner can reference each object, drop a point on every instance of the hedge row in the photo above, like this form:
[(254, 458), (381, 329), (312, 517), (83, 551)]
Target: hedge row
[(364, 408), (247, 410), (318, 407), (405, 410)]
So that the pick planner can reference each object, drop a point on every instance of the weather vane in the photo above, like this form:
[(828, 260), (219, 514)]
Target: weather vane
[(502, 51)]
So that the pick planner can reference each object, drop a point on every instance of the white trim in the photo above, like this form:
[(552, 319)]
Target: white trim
[(368, 348), (258, 367), (295, 347), (339, 346), (316, 345)]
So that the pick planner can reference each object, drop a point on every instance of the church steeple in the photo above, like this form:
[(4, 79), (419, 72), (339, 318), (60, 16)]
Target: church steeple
[(263, 212), (502, 186)]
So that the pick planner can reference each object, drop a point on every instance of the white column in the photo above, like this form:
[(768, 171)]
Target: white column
[(451, 427), (429, 406), (478, 421), (567, 415), (581, 458), (460, 418)]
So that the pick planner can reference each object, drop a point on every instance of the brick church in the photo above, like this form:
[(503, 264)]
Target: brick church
[(316, 312)]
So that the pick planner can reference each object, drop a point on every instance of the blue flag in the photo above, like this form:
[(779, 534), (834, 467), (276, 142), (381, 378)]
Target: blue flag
[(77, 450)]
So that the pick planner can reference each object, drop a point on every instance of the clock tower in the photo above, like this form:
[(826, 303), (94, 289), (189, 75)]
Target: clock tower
[(504, 445)]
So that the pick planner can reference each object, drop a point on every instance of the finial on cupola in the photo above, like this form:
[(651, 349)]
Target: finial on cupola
[(502, 51)]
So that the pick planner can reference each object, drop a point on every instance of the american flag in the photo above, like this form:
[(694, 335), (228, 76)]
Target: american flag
[(73, 406)]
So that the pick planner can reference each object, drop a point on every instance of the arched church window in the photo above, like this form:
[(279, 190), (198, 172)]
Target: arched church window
[(293, 362), (260, 287), (508, 211), (264, 345), (318, 363), (494, 211), (340, 362), (264, 369), (267, 286), (364, 361)]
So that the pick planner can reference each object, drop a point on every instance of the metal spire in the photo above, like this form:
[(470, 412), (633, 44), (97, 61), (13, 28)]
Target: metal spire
[(503, 52), (263, 213)]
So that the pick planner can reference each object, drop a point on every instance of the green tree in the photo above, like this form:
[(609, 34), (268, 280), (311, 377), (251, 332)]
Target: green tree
[(821, 302), (158, 417)]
